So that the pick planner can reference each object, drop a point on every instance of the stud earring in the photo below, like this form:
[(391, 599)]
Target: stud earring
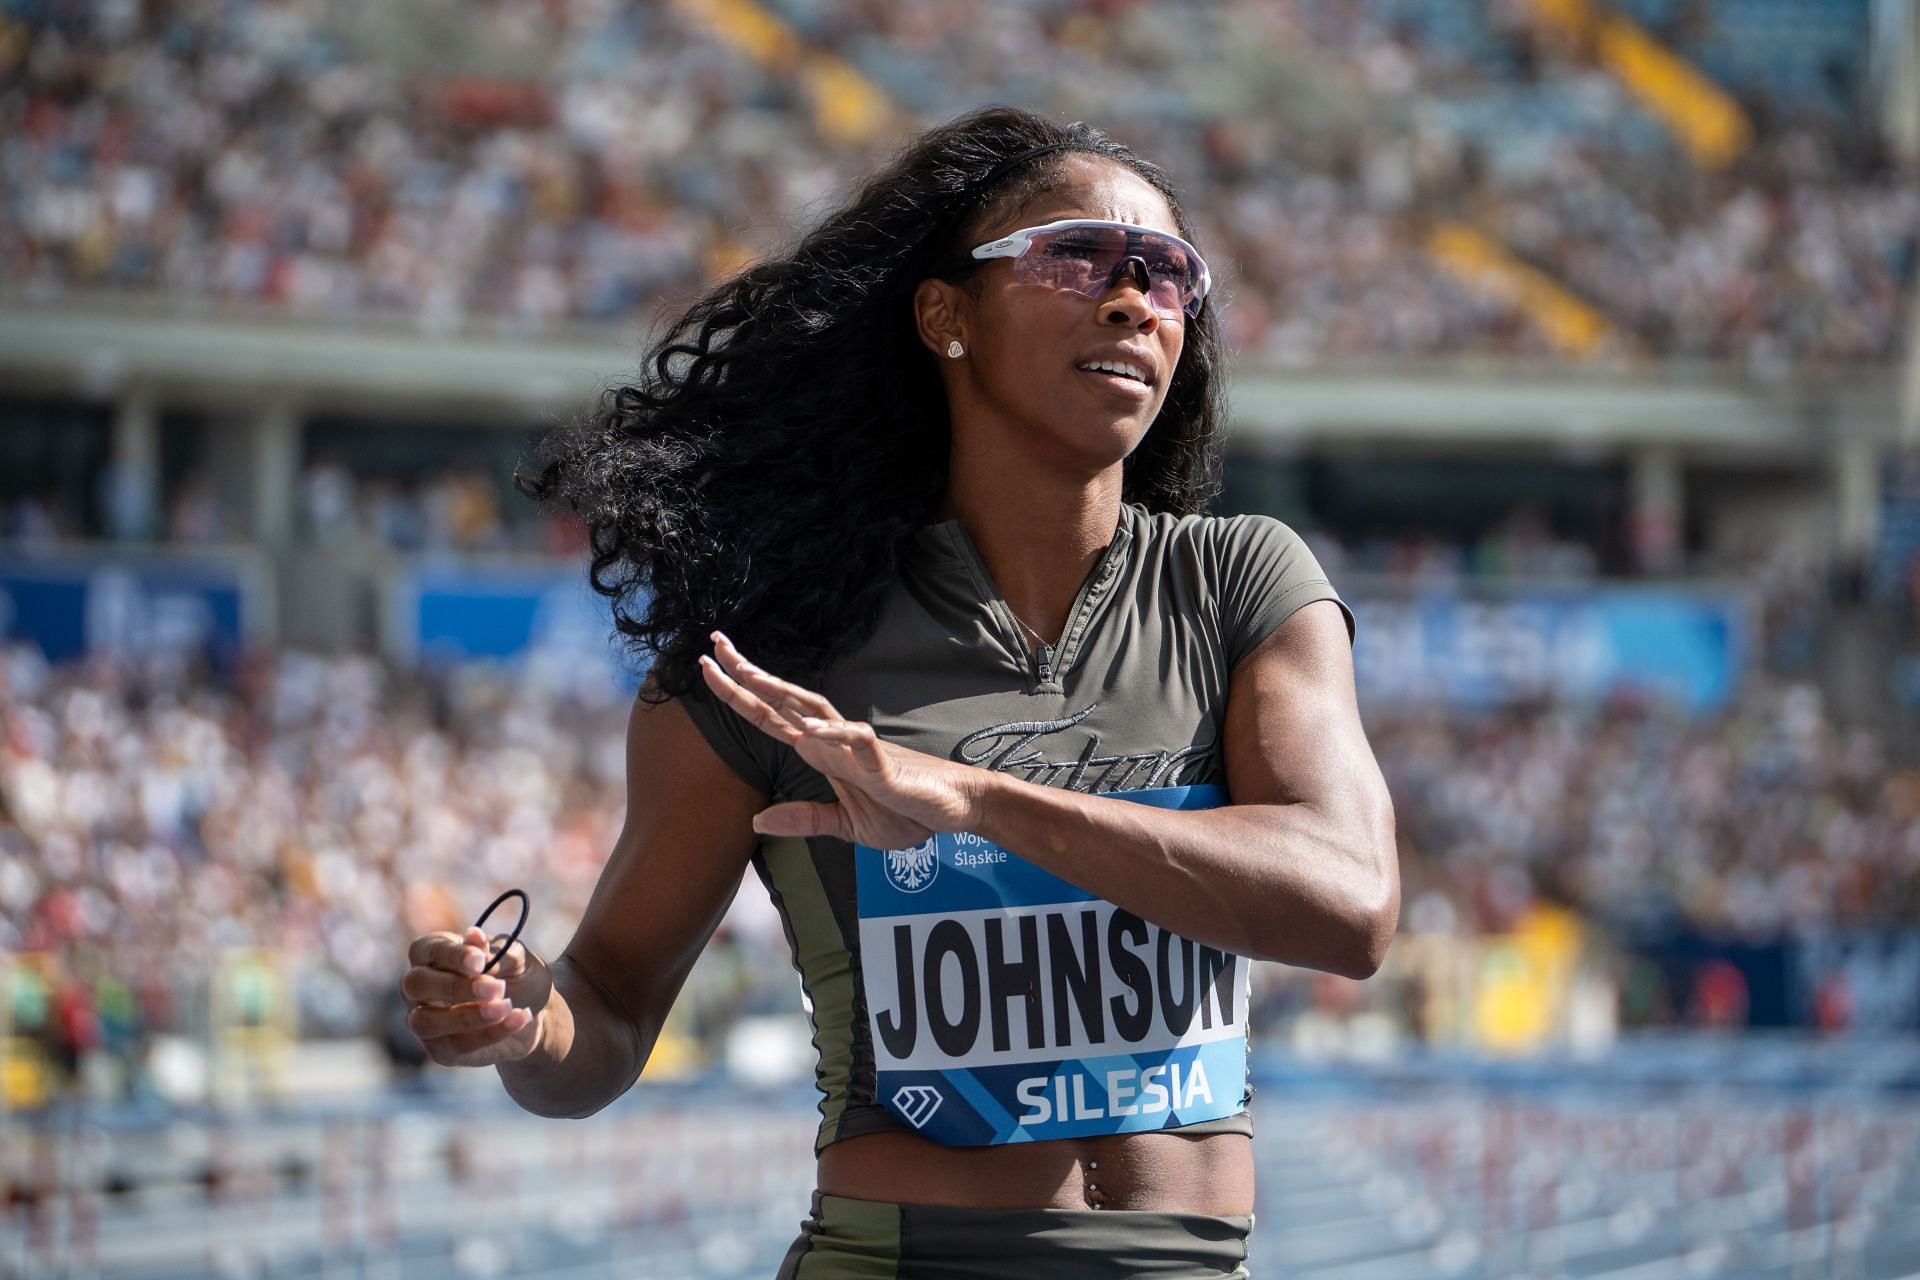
[(955, 350)]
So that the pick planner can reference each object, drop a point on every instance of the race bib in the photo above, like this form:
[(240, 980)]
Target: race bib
[(1007, 1005)]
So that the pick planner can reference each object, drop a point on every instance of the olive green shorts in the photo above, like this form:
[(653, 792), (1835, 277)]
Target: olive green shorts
[(869, 1240)]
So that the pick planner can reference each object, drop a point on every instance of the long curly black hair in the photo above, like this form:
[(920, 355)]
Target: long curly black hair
[(790, 433)]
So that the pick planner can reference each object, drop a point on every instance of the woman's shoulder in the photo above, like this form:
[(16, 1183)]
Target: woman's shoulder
[(1222, 539)]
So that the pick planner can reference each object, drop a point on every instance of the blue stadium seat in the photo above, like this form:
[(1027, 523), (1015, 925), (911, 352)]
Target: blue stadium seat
[(1788, 50)]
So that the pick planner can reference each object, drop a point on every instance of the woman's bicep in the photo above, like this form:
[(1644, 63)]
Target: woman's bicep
[(1294, 734), (673, 871)]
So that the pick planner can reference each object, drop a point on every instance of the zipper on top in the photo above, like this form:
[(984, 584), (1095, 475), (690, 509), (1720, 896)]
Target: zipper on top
[(1046, 663)]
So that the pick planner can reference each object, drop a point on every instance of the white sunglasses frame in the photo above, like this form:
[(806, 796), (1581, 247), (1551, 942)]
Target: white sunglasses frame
[(1016, 243)]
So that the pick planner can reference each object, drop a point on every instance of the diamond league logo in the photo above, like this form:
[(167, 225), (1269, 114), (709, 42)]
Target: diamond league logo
[(917, 1103), (912, 869)]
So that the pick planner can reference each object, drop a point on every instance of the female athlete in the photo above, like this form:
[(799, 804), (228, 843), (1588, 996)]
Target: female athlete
[(1033, 757)]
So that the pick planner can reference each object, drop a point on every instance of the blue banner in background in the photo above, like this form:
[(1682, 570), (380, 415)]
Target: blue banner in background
[(1868, 979), (76, 605), (1680, 643), (1860, 980), (1689, 644), (549, 618)]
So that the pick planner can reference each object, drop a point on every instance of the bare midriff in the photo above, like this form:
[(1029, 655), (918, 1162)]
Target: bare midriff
[(1161, 1171)]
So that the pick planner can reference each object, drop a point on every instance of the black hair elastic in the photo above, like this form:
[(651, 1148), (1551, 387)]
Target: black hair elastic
[(513, 937)]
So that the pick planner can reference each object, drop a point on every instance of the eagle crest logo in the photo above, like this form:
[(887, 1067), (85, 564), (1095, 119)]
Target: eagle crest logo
[(912, 869)]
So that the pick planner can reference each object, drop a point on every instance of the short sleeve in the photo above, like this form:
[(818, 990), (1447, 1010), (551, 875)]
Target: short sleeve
[(1265, 573), (747, 751)]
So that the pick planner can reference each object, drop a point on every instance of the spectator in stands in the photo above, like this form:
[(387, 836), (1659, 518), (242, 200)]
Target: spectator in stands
[(152, 819), (276, 155)]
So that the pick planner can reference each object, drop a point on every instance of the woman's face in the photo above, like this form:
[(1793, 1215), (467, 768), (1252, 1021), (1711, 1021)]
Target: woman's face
[(1028, 346)]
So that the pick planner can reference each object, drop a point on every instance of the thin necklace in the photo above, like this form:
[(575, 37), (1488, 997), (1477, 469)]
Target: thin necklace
[(1024, 627), (1043, 657)]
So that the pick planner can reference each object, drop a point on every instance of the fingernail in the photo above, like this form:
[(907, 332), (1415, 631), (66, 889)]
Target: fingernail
[(497, 1008), (472, 962), (811, 723), (488, 988)]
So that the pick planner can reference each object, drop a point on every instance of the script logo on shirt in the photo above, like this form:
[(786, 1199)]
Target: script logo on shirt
[(1007, 748)]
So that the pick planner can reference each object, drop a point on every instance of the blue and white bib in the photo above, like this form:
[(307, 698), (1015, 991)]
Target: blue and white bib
[(1007, 1005)]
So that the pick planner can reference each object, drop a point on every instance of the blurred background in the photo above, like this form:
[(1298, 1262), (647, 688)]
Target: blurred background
[(1575, 337)]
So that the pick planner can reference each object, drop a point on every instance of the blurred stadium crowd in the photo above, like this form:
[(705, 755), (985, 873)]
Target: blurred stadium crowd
[(460, 508), (331, 808), (582, 162), (540, 168), (472, 507)]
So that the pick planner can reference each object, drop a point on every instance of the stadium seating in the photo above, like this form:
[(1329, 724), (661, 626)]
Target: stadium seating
[(1796, 55), (1361, 1173), (658, 152)]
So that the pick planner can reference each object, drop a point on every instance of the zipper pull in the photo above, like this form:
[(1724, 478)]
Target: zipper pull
[(1046, 664)]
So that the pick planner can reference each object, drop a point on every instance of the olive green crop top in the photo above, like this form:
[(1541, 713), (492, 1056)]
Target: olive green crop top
[(1134, 697)]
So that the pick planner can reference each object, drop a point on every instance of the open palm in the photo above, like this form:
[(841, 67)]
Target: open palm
[(889, 797)]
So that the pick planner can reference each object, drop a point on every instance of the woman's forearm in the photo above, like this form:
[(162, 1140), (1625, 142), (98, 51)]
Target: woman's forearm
[(587, 1054), (1272, 882)]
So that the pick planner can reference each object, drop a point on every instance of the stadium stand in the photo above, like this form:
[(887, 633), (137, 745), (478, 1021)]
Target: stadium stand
[(596, 162), (1787, 56), (1565, 1170), (286, 288), (155, 820)]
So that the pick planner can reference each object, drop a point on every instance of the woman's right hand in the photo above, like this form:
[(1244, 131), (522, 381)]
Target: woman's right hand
[(464, 1019)]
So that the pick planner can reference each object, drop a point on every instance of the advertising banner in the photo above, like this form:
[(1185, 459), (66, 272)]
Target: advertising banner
[(77, 603), (1688, 644), (1867, 981), (543, 615), (1856, 980)]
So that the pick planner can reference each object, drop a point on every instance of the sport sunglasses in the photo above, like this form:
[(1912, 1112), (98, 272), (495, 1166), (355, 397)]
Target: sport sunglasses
[(1089, 255)]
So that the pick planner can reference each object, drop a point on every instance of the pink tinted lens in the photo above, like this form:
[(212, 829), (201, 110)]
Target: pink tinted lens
[(1083, 259)]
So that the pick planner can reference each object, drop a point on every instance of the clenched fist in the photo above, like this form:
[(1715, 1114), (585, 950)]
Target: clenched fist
[(464, 1019)]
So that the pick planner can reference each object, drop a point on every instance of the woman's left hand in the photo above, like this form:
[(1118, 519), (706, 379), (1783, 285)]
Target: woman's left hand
[(890, 797)]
